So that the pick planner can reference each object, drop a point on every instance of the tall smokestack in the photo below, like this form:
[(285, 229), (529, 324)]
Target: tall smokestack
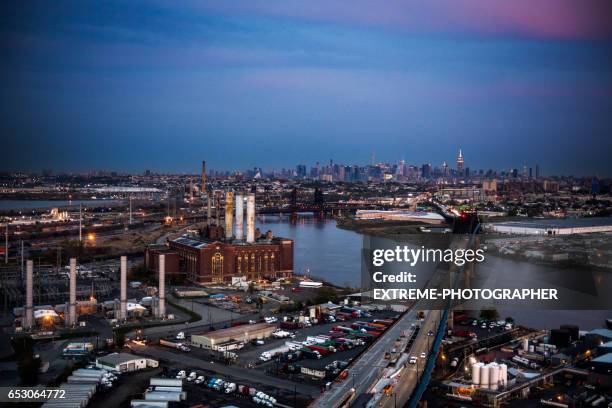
[(72, 305), (208, 208), (29, 318), (250, 218), (203, 176), (229, 214), (217, 208), (123, 283), (239, 217), (162, 286)]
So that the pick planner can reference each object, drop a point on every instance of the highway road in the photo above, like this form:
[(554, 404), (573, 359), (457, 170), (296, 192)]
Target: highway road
[(368, 368), (408, 380)]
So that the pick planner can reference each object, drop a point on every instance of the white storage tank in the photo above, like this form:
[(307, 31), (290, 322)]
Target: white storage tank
[(503, 375), (532, 348), (484, 376), (476, 373), (493, 376), (525, 344)]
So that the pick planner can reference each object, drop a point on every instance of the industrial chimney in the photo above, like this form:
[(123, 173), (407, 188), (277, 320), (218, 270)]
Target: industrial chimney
[(162, 287), (203, 176), (217, 208), (72, 318), (29, 283), (239, 217), (250, 218), (123, 283), (208, 208), (229, 214)]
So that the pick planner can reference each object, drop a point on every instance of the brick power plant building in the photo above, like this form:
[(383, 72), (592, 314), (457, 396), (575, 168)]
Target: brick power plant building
[(222, 252)]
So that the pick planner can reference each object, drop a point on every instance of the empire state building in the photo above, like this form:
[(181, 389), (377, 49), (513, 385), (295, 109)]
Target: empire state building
[(460, 163)]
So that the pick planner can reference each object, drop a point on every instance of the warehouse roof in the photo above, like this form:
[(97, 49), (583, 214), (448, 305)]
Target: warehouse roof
[(236, 331), (118, 358), (606, 359), (558, 222)]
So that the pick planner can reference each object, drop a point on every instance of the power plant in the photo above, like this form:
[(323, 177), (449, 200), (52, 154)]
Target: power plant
[(47, 317), (220, 252)]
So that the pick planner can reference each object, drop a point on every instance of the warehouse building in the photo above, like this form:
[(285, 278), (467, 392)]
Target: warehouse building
[(124, 362), (244, 333), (553, 226)]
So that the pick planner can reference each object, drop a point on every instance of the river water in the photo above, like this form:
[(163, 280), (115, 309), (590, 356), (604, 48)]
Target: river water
[(326, 252)]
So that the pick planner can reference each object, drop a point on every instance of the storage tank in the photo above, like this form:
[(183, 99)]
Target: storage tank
[(532, 348), (484, 376), (476, 373), (493, 376), (503, 375), (525, 344)]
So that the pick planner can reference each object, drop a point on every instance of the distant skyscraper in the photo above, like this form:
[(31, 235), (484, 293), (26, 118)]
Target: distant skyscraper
[(538, 171), (531, 172), (460, 162), (301, 170), (426, 170)]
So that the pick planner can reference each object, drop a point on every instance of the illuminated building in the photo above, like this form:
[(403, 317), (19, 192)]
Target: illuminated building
[(214, 256)]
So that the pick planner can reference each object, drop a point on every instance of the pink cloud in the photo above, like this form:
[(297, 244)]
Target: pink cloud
[(555, 19)]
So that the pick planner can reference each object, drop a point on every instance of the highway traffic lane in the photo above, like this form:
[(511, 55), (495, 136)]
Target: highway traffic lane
[(407, 384), (365, 370)]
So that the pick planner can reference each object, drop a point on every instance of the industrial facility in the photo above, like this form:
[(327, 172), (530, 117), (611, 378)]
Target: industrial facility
[(245, 333), (222, 251), (66, 315), (552, 226)]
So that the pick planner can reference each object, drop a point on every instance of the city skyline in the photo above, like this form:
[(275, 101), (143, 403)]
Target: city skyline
[(131, 86)]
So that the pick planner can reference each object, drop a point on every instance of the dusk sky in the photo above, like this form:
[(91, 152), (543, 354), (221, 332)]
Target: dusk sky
[(138, 85)]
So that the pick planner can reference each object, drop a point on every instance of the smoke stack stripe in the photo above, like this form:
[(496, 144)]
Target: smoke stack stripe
[(123, 296), (72, 305), (239, 217), (29, 287), (162, 286), (229, 214), (251, 218), (208, 208)]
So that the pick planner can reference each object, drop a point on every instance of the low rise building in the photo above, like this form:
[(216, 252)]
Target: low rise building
[(245, 333), (125, 362)]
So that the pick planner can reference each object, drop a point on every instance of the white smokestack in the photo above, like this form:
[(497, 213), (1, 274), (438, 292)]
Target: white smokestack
[(72, 318), (29, 318), (250, 218), (162, 286), (229, 215), (239, 217), (123, 283)]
